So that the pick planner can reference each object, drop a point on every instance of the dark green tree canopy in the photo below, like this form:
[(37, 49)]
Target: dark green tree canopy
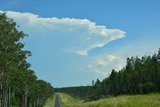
[(18, 83)]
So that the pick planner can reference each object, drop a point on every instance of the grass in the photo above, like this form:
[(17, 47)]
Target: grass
[(68, 101), (50, 102), (150, 100)]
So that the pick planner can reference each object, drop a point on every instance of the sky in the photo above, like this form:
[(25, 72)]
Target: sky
[(76, 41)]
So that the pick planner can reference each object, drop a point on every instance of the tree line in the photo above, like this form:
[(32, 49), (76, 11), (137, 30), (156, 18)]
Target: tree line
[(19, 86), (139, 76)]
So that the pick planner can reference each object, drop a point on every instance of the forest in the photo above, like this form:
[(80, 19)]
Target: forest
[(19, 86), (139, 76)]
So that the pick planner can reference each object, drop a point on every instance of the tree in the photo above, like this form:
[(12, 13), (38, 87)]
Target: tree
[(11, 55), (139, 76), (17, 80)]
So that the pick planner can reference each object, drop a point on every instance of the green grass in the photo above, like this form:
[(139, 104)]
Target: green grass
[(50, 102), (150, 100), (68, 101)]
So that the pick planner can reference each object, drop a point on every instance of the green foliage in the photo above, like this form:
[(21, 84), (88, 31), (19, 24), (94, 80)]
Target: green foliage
[(18, 83), (146, 88), (139, 76)]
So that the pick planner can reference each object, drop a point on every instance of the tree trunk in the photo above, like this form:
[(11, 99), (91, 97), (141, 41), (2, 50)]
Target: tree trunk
[(9, 96), (25, 101)]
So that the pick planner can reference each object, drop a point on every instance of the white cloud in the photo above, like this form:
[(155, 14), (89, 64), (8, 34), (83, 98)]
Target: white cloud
[(105, 64), (56, 38), (68, 34)]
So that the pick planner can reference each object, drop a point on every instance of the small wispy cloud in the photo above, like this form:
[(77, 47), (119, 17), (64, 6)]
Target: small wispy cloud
[(77, 35), (105, 64)]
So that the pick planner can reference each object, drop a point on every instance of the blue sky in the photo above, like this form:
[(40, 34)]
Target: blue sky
[(73, 42)]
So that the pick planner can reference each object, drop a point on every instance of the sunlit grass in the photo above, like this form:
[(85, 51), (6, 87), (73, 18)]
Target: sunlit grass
[(150, 100), (50, 102), (68, 101)]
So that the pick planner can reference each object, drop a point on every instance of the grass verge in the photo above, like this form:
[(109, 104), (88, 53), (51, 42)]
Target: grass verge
[(149, 100), (50, 102)]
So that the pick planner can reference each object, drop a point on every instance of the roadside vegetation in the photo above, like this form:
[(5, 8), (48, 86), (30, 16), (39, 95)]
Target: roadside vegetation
[(50, 102), (19, 86), (139, 76), (149, 100), (69, 101)]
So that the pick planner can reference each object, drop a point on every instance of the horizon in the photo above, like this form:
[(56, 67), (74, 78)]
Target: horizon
[(85, 40)]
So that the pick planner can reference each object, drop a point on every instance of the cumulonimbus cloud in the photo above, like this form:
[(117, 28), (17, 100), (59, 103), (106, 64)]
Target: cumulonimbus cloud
[(76, 35)]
